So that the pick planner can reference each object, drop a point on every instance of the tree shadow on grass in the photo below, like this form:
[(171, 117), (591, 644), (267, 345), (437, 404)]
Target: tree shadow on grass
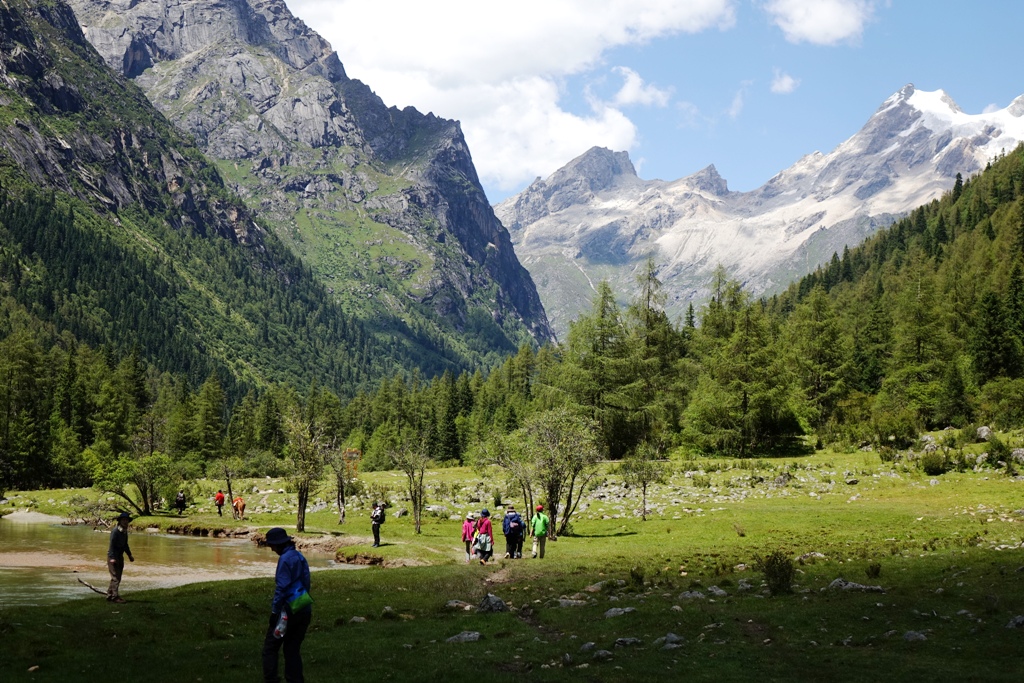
[(613, 535)]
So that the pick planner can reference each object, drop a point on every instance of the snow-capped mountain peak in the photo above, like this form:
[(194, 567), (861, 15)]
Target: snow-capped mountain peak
[(595, 219)]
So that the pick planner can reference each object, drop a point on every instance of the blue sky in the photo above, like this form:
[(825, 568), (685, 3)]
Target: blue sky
[(747, 85)]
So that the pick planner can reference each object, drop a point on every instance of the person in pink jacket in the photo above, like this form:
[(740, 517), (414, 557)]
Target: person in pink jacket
[(468, 531), (484, 536)]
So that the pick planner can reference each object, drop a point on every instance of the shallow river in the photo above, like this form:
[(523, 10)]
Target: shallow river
[(41, 562)]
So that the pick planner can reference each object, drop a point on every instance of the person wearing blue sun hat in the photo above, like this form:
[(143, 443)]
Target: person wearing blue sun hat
[(291, 609)]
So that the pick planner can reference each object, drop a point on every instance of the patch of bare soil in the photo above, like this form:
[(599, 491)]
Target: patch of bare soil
[(362, 559)]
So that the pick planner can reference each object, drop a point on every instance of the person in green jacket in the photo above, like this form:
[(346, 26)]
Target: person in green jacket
[(539, 531)]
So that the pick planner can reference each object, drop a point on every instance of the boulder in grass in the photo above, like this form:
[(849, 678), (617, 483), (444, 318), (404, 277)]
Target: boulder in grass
[(618, 612), (1016, 622), (492, 603), (465, 637)]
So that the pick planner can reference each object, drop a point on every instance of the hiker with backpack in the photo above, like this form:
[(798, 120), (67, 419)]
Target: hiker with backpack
[(512, 527), (376, 519)]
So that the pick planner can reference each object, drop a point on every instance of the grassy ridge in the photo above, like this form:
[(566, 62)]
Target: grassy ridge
[(948, 553)]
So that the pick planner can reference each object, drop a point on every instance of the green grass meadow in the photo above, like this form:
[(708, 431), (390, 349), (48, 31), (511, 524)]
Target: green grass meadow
[(947, 550)]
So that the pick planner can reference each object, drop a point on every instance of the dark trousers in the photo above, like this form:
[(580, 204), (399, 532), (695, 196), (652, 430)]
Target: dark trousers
[(116, 567), (297, 625), (511, 543), (376, 534), (220, 510)]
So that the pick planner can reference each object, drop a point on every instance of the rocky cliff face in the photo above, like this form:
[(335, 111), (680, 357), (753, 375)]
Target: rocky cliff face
[(385, 204), (114, 161), (594, 219)]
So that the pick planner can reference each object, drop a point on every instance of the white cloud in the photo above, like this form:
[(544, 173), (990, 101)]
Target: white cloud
[(783, 83), (635, 91), (736, 106), (821, 22), (991, 108), (500, 67)]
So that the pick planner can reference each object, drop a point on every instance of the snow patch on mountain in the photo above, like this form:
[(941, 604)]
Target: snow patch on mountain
[(597, 215)]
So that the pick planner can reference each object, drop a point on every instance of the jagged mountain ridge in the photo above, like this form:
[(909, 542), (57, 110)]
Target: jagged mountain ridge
[(385, 204), (598, 218), (117, 230)]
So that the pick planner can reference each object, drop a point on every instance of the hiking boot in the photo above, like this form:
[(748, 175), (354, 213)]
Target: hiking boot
[(507, 556)]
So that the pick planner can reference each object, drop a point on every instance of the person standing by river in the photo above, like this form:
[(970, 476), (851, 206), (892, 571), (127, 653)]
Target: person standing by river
[(291, 609), (218, 500), (115, 556)]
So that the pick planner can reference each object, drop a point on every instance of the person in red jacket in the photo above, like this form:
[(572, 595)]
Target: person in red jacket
[(218, 500), (484, 536)]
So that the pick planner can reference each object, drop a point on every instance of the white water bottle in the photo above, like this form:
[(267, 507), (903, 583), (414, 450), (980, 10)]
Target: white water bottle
[(282, 626)]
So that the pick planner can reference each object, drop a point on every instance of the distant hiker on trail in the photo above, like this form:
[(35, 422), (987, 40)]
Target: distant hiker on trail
[(512, 527), (539, 531), (238, 507), (179, 502), (291, 609), (218, 500), (484, 536), (468, 531), (115, 556), (377, 517)]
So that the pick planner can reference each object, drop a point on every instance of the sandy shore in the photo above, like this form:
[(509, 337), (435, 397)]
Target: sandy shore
[(30, 517)]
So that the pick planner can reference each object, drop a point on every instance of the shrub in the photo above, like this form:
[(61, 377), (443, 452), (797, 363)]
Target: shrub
[(380, 492), (701, 481), (874, 570), (933, 463), (636, 577), (778, 572)]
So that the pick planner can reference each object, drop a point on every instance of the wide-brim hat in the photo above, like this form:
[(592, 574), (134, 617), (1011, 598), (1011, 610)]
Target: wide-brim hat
[(277, 536), (124, 515)]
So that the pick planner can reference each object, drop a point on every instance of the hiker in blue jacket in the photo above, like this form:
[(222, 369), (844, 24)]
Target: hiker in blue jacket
[(291, 579), (513, 528)]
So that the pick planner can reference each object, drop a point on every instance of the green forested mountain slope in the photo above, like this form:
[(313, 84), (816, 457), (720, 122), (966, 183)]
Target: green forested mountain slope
[(114, 227)]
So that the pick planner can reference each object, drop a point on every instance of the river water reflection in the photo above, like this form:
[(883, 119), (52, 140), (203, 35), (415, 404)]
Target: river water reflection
[(41, 562)]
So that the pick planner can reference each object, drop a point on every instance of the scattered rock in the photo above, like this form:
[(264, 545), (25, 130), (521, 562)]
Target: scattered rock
[(465, 637), (587, 647), (458, 605), (357, 620), (492, 603), (783, 479), (745, 586), (676, 608), (669, 639), (564, 602), (567, 659), (691, 595), (1016, 622), (914, 636), (627, 642), (852, 482), (842, 584), (602, 655), (388, 613), (984, 433), (810, 558), (400, 512), (618, 612), (717, 592)]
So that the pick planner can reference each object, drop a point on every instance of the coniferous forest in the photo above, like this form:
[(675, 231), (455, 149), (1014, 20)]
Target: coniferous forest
[(921, 327)]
